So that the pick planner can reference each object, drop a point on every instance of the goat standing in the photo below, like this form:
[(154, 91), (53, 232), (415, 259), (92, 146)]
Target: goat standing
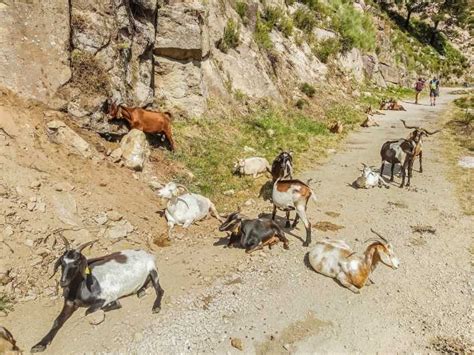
[(144, 120), (334, 258), (289, 195), (282, 166), (417, 136), (98, 283), (253, 234)]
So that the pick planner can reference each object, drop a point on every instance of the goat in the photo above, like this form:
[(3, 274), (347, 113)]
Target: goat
[(289, 195), (144, 120), (391, 104), (7, 342), (282, 166), (186, 208), (253, 234), (334, 258), (401, 152), (369, 179), (417, 136), (337, 127), (251, 166), (369, 122), (99, 283)]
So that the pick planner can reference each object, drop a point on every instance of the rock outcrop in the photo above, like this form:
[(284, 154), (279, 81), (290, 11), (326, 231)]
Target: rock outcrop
[(135, 149)]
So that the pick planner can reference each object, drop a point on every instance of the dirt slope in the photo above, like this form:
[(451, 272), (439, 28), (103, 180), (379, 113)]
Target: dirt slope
[(274, 303)]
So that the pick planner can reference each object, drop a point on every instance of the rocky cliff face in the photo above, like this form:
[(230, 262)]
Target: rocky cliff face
[(74, 55)]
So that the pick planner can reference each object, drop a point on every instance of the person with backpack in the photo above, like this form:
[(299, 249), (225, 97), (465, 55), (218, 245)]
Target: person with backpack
[(434, 90), (419, 86)]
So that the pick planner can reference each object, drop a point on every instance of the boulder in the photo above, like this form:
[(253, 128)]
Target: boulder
[(65, 208), (353, 63), (34, 56), (390, 74), (135, 149), (181, 33), (119, 229), (60, 133)]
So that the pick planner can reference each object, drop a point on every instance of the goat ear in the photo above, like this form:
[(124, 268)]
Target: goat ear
[(85, 245), (180, 186), (56, 266)]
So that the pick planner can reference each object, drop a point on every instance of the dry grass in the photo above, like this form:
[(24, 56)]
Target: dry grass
[(88, 75), (458, 143)]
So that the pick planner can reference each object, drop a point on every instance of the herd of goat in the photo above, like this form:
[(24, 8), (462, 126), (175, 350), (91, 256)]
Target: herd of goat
[(99, 283)]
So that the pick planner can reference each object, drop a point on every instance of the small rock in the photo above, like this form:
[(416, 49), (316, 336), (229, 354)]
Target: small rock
[(230, 192), (114, 216), (286, 347), (96, 318), (36, 261), (249, 202), (237, 343), (35, 184), (31, 206), (42, 251), (101, 219), (116, 155), (8, 231), (29, 243)]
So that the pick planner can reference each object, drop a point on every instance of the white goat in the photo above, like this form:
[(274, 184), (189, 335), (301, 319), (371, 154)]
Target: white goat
[(334, 258), (369, 179), (186, 208), (252, 166)]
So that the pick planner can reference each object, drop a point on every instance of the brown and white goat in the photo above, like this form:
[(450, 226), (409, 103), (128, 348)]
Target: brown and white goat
[(417, 136), (293, 195), (7, 342), (334, 258), (391, 104), (144, 120)]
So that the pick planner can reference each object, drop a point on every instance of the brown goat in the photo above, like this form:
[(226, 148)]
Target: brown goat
[(144, 120)]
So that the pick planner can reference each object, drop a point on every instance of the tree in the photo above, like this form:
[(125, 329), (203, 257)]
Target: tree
[(412, 6), (458, 11)]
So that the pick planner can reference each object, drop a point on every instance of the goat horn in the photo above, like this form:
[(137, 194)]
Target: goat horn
[(85, 245), (378, 235), (66, 242), (409, 127), (430, 133), (184, 187)]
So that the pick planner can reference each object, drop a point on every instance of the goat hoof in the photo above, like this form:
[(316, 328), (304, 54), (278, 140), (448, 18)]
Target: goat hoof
[(141, 293), (156, 310), (38, 348)]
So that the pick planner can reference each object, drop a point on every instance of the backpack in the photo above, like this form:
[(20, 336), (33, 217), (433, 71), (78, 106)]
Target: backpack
[(419, 85), (433, 84)]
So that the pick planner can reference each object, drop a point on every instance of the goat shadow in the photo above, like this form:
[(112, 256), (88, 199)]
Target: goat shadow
[(281, 221)]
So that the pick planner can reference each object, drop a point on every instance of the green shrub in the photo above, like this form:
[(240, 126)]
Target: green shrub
[(315, 5), (308, 89), (231, 37), (286, 26), (241, 8), (5, 303), (327, 48), (355, 28), (262, 34), (301, 103), (304, 19), (273, 15), (289, 2), (345, 113)]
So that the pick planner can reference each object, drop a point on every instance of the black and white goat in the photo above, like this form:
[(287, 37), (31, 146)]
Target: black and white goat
[(293, 195), (282, 166), (403, 152), (99, 283), (253, 234)]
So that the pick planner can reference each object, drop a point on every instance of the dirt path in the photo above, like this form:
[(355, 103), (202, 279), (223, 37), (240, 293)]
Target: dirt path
[(274, 303)]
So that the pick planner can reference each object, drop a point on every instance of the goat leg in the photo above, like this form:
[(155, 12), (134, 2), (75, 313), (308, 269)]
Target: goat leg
[(234, 237), (69, 308), (381, 168), (274, 212), (392, 167), (421, 159), (342, 278), (111, 306), (95, 307), (142, 291), (287, 224), (159, 291)]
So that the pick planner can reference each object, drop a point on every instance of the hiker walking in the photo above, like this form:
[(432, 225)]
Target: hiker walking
[(419, 86), (434, 90)]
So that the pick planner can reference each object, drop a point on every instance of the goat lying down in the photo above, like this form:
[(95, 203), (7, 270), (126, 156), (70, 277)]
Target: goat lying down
[(369, 179), (99, 283), (185, 208), (336, 259), (251, 166), (253, 234)]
